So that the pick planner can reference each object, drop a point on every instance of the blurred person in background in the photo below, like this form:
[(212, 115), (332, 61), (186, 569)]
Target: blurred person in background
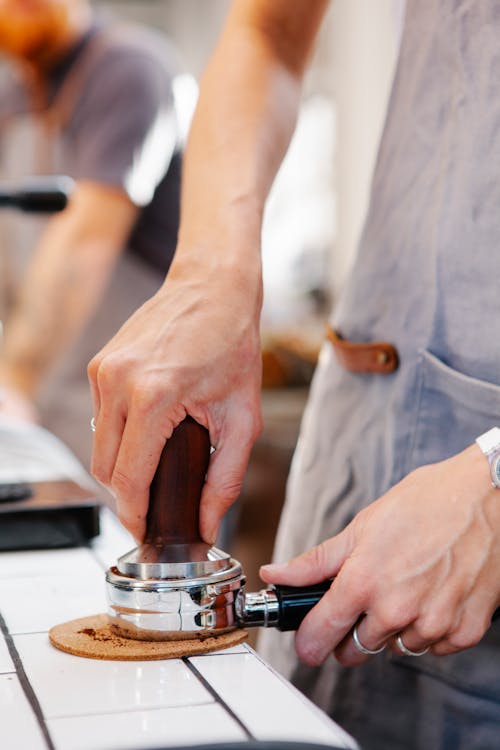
[(388, 490), (103, 99)]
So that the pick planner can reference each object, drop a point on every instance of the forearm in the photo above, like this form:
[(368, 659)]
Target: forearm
[(62, 287), (243, 123), (58, 296)]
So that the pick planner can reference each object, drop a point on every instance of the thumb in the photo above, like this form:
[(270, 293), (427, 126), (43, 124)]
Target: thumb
[(316, 565)]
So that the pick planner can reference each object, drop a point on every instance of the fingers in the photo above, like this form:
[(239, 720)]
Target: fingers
[(338, 610), (315, 565), (328, 627), (470, 624), (132, 476), (355, 597), (441, 631), (416, 569), (396, 621), (109, 426), (131, 433), (226, 471), (179, 354), (128, 441)]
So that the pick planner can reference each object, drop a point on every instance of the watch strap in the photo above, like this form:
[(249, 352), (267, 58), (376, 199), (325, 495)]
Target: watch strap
[(494, 460), (488, 441)]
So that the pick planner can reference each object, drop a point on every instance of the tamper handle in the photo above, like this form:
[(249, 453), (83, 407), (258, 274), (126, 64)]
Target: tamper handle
[(175, 493)]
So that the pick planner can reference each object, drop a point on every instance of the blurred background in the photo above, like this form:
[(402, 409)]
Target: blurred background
[(313, 219)]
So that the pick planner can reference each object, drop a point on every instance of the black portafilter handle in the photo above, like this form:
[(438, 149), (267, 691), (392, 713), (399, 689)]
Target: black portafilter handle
[(42, 195), (281, 607), (294, 603)]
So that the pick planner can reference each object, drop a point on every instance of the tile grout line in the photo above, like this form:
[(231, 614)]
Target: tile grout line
[(120, 712), (217, 697), (25, 684)]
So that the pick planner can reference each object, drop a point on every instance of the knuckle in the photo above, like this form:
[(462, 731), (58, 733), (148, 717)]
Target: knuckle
[(224, 492), (100, 470), (250, 424), (107, 372), (393, 617), (93, 368), (358, 587), (391, 621), (124, 486), (229, 490), (362, 593), (467, 635), (317, 557), (433, 626), (145, 396)]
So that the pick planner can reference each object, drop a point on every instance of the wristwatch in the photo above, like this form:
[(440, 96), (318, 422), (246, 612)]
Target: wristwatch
[(489, 444)]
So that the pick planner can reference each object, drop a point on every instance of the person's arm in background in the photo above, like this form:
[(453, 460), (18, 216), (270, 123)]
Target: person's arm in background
[(63, 285), (194, 348), (111, 132)]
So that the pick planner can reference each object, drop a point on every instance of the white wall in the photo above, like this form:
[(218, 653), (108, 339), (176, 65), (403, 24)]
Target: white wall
[(193, 25), (364, 42)]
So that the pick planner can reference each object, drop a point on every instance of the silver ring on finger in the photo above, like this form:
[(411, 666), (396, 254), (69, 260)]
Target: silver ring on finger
[(407, 651), (361, 647), (92, 424)]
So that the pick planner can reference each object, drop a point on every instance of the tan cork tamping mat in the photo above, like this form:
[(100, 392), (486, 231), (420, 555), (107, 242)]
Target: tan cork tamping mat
[(93, 637)]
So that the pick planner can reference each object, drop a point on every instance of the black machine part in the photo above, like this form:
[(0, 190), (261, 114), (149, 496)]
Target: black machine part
[(38, 194), (46, 515)]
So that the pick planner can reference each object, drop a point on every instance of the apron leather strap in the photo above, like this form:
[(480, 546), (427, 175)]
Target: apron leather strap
[(378, 357)]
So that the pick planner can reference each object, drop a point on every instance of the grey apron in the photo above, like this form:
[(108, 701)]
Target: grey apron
[(427, 278)]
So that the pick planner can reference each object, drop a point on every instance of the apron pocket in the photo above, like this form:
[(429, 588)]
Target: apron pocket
[(452, 409)]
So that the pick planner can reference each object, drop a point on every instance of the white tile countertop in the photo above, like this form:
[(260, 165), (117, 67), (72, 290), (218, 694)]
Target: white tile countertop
[(51, 700)]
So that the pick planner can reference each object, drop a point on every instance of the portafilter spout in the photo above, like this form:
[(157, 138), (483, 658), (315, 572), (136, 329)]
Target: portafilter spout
[(175, 586)]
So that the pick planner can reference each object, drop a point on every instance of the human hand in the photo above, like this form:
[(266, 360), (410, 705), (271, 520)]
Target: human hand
[(13, 403), (193, 348), (421, 562)]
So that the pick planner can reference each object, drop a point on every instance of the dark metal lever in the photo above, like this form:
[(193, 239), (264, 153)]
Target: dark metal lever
[(38, 195)]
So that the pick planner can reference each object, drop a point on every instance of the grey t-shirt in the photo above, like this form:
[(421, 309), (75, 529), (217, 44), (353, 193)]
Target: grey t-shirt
[(113, 97)]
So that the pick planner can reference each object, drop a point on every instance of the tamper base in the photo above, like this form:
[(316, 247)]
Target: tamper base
[(179, 561)]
